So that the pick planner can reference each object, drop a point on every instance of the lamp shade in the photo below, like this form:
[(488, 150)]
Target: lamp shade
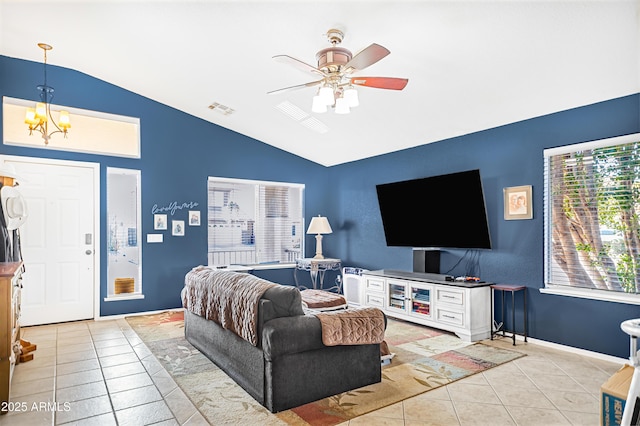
[(342, 106), (318, 105), (327, 95), (319, 225), (64, 122), (351, 95), (30, 116), (41, 111)]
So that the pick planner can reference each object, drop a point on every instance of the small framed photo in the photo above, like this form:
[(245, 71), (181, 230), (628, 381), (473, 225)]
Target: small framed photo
[(518, 203), (159, 222), (194, 217), (177, 228)]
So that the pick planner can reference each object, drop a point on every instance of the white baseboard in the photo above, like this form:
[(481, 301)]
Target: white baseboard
[(578, 351)]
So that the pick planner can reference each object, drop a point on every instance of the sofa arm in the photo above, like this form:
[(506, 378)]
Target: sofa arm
[(287, 335)]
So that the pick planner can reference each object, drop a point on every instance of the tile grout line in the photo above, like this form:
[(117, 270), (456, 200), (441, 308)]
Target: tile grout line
[(555, 406), (93, 347), (104, 379), (498, 395), (145, 368), (453, 405)]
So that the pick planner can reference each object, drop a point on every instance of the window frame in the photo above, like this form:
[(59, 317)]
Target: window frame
[(564, 290), (92, 132), (257, 184)]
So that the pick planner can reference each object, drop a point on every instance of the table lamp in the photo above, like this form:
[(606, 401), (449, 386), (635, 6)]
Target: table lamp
[(319, 225)]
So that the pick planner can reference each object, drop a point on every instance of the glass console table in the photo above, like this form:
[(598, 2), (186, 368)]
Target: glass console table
[(317, 269)]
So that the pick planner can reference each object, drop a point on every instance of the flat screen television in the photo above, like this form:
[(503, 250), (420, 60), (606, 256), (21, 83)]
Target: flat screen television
[(445, 211)]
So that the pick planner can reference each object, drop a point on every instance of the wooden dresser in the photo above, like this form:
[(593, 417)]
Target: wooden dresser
[(10, 287)]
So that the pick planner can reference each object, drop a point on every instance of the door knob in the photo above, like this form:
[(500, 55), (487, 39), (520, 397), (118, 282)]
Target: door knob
[(88, 252)]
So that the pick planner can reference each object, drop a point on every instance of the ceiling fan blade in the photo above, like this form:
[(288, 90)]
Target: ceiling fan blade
[(391, 83), (303, 66), (366, 57), (299, 86)]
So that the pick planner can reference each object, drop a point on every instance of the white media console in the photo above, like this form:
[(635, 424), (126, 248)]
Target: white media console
[(459, 307)]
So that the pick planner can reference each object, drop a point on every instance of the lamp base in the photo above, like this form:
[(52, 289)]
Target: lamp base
[(318, 247)]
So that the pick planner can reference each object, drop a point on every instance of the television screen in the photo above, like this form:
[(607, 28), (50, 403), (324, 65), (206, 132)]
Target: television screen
[(446, 211)]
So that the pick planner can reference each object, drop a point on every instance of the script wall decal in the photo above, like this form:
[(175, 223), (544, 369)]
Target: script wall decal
[(173, 207)]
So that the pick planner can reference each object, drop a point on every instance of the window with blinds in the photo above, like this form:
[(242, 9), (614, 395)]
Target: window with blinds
[(592, 223), (254, 222)]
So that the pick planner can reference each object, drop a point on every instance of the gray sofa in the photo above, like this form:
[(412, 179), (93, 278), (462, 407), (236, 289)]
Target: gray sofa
[(289, 366)]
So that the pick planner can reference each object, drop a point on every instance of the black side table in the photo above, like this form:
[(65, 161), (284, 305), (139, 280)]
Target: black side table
[(497, 328)]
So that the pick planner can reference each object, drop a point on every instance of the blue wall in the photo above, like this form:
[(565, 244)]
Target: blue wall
[(180, 151), (510, 155)]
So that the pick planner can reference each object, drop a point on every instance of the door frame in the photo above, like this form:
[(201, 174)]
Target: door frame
[(95, 167)]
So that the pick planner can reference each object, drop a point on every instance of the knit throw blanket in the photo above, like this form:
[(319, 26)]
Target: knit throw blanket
[(229, 298)]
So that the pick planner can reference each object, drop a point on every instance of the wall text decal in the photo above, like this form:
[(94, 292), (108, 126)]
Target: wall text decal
[(172, 207)]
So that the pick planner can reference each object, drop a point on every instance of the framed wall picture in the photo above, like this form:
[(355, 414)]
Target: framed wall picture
[(159, 222), (194, 217), (518, 203), (177, 228)]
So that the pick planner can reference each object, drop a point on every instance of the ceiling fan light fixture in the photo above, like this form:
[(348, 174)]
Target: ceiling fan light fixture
[(318, 105), (335, 66), (327, 96), (342, 106), (351, 95)]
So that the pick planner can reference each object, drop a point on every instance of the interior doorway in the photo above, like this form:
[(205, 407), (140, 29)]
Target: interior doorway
[(60, 239)]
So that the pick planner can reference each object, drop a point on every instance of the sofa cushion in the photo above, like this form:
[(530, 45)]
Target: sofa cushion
[(279, 301), (285, 301), (287, 335), (322, 300)]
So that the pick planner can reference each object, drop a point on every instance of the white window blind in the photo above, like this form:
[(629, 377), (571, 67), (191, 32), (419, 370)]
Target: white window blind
[(254, 222), (592, 209)]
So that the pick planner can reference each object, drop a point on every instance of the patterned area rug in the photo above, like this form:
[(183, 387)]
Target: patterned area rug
[(425, 359)]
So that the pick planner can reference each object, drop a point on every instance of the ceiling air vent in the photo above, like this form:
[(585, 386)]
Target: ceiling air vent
[(294, 112), (222, 109)]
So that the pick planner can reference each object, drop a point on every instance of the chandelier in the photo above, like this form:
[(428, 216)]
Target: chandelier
[(38, 118)]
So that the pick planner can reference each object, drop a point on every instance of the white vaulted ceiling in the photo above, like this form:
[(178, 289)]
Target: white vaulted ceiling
[(471, 65)]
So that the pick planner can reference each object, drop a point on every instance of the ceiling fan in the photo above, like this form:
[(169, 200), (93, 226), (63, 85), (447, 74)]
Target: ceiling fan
[(335, 66)]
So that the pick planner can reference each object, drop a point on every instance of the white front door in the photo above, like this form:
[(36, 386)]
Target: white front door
[(58, 240)]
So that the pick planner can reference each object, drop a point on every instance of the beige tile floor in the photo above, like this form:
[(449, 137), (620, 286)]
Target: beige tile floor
[(548, 387), (103, 374)]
